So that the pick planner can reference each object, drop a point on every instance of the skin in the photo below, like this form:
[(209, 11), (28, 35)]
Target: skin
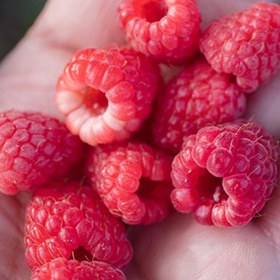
[(178, 248)]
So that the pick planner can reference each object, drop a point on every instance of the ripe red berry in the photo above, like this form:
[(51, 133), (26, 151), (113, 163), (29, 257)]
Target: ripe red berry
[(195, 98), (225, 174), (63, 269), (106, 94), (246, 44), (33, 149), (167, 30), (67, 220), (133, 180)]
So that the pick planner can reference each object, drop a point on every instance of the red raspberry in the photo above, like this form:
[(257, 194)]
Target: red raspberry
[(61, 268), (33, 149), (133, 180), (106, 94), (195, 98), (167, 30), (246, 44), (72, 221), (225, 174)]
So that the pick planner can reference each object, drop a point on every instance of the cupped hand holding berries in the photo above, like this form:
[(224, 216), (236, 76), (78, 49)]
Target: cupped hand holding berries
[(178, 248)]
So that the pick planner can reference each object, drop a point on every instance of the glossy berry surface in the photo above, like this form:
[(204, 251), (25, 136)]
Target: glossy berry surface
[(63, 269), (33, 149), (246, 44), (133, 180), (166, 30), (225, 174), (106, 94), (67, 220), (197, 97)]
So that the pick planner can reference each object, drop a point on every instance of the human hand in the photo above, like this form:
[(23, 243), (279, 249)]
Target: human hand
[(178, 248)]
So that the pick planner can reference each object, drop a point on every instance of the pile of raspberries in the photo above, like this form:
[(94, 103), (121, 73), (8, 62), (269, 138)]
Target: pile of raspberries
[(135, 147)]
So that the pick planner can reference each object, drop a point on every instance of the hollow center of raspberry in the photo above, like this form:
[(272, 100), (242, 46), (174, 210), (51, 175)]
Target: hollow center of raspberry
[(95, 101), (81, 254), (210, 187), (145, 187), (152, 11)]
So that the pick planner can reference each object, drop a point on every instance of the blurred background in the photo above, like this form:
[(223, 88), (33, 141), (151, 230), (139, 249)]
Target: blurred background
[(15, 18)]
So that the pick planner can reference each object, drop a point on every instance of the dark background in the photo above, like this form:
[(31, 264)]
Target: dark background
[(15, 18)]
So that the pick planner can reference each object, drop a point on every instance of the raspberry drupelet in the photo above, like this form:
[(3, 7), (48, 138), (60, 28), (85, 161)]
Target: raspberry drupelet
[(62, 268), (70, 221), (106, 94), (246, 44), (224, 174), (195, 98), (34, 149), (167, 30), (133, 180)]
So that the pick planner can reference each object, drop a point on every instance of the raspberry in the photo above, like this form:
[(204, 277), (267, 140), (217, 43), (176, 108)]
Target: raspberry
[(68, 220), (106, 94), (167, 30), (61, 268), (33, 149), (133, 180), (224, 174), (196, 97), (246, 44)]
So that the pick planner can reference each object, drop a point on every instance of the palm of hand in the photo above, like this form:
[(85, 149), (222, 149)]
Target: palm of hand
[(176, 249)]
